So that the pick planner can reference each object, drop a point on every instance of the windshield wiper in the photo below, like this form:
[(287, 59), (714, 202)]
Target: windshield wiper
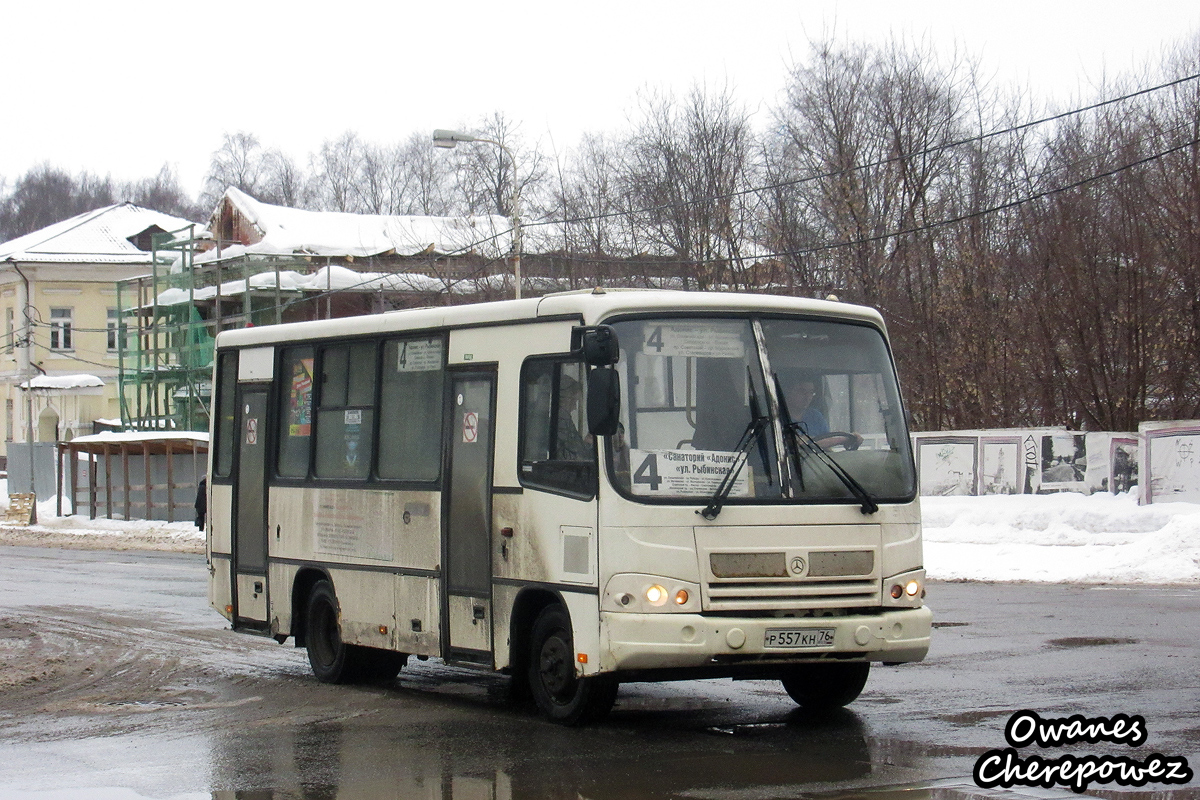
[(753, 429), (756, 414), (798, 437)]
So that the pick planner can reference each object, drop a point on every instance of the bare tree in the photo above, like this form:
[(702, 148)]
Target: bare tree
[(687, 172), (162, 192), (239, 162), (46, 194)]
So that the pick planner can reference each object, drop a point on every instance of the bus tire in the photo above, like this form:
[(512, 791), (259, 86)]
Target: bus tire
[(331, 659), (560, 695), (825, 686)]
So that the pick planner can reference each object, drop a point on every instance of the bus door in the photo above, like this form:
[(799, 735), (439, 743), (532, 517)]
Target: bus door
[(466, 554), (249, 527)]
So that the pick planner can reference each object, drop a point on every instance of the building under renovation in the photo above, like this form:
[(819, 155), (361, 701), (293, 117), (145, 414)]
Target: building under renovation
[(261, 264)]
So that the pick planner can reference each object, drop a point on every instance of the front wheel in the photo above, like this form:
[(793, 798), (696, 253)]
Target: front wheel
[(560, 695), (822, 687)]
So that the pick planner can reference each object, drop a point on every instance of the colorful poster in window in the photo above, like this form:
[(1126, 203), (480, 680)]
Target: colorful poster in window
[(300, 398)]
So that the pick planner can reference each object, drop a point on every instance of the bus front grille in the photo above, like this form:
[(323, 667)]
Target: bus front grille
[(785, 595)]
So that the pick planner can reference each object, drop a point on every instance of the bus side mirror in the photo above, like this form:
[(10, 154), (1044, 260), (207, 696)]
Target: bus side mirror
[(597, 344), (603, 401)]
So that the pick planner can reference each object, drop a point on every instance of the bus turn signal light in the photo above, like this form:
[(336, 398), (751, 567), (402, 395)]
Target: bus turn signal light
[(681, 597)]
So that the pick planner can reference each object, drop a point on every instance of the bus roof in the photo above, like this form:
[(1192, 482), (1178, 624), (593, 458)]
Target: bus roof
[(592, 306)]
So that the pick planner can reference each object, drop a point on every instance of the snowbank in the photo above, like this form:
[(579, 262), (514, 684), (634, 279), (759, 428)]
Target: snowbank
[(1061, 538)]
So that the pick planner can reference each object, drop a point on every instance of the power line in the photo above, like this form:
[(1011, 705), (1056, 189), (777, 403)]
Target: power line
[(995, 209), (869, 165)]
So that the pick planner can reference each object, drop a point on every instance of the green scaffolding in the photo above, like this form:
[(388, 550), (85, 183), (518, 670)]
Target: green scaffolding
[(169, 319)]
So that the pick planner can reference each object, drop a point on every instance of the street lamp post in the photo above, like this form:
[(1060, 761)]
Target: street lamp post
[(449, 139)]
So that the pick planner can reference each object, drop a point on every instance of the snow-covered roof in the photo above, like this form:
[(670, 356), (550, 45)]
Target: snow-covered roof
[(291, 231), (116, 437), (101, 236), (62, 382)]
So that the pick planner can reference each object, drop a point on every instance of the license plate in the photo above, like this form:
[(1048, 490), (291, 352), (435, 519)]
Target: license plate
[(798, 637)]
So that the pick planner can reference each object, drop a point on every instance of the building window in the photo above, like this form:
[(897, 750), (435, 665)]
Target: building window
[(114, 328), (60, 328), (9, 329)]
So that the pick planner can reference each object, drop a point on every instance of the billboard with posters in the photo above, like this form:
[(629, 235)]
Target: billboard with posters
[(1064, 462), (1170, 462), (1001, 465), (946, 464)]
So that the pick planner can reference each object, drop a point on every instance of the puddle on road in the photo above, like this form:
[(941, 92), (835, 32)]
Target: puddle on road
[(1088, 641), (974, 717)]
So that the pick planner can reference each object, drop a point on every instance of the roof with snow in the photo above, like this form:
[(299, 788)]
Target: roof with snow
[(109, 235), (62, 382), (280, 230)]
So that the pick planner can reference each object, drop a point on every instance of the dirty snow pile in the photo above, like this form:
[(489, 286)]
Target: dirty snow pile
[(1061, 538), (80, 532), (1058, 538)]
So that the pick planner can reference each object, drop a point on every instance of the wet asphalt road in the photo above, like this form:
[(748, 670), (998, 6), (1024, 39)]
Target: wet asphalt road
[(117, 681)]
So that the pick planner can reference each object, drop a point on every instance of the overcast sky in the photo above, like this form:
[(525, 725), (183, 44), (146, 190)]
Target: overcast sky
[(122, 87)]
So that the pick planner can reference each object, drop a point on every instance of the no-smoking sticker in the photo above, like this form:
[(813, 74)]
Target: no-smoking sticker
[(470, 427), (252, 430)]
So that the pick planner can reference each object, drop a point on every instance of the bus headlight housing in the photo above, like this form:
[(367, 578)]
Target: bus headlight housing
[(906, 590), (636, 593)]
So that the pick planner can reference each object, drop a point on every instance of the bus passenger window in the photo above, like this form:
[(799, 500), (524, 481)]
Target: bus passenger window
[(557, 452), (295, 417), (226, 414), (410, 427), (346, 414)]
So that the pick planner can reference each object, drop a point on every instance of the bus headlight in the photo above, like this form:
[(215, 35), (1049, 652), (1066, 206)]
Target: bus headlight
[(650, 594), (656, 595), (906, 589)]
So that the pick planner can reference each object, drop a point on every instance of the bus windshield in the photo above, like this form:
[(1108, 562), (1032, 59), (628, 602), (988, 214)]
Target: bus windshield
[(762, 406)]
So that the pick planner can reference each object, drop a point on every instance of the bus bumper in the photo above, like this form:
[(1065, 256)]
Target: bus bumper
[(635, 642)]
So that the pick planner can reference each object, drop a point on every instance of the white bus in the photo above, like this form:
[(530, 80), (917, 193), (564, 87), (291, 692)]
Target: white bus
[(578, 490)]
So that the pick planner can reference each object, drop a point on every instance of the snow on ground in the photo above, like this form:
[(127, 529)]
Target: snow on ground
[(1059, 538)]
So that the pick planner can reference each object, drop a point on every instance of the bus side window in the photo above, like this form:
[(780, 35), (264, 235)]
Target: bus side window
[(410, 425), (346, 411), (557, 453), (295, 417), (226, 414)]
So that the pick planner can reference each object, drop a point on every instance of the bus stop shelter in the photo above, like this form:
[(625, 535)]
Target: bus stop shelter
[(133, 475)]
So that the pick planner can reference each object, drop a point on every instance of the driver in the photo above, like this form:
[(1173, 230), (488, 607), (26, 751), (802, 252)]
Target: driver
[(798, 393)]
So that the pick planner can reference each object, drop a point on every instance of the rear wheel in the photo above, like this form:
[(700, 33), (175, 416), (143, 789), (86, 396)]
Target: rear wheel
[(821, 687), (560, 695)]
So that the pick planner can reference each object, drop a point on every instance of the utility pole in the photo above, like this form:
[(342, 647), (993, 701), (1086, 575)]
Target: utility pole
[(25, 367)]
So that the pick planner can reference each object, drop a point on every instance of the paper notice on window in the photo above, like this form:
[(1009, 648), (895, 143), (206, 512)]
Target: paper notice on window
[(707, 340), (685, 473), (424, 355)]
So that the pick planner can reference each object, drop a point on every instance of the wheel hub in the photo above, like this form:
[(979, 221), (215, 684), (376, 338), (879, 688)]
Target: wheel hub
[(555, 666)]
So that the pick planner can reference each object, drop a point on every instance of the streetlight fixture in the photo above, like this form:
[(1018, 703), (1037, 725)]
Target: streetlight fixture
[(449, 139)]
